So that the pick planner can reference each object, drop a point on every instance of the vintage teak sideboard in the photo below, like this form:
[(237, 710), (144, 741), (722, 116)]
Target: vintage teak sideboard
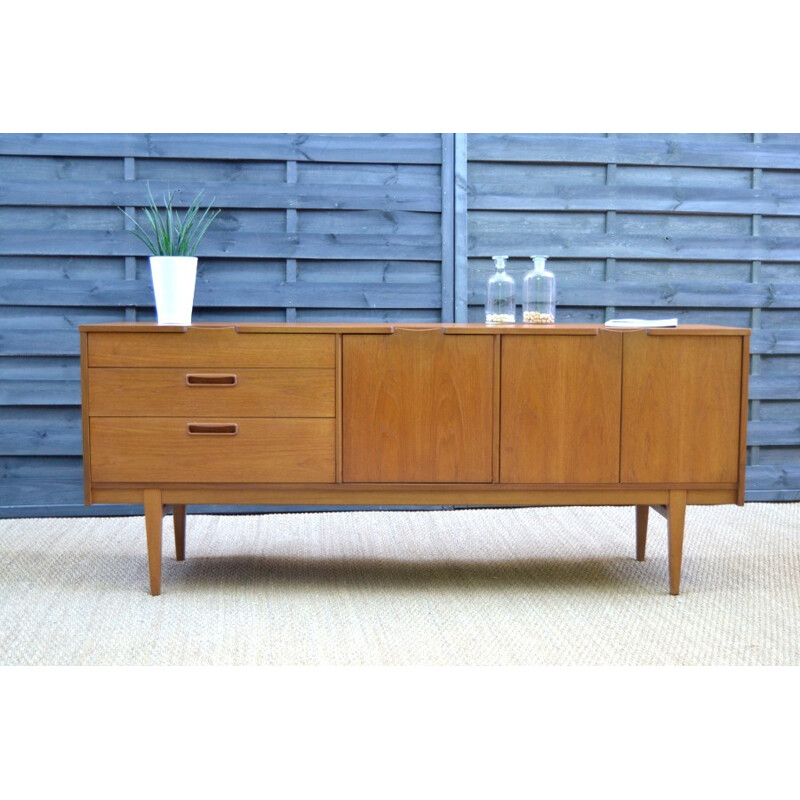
[(405, 414)]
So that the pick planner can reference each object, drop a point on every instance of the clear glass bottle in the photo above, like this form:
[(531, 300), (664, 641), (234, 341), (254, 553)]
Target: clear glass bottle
[(539, 294), (500, 300)]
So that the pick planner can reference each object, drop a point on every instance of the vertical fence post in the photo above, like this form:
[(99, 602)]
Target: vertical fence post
[(291, 227), (611, 218), (448, 227), (129, 174), (460, 210), (755, 313)]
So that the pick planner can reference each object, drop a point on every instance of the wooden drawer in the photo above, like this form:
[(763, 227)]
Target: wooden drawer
[(163, 450), (117, 392), (224, 348)]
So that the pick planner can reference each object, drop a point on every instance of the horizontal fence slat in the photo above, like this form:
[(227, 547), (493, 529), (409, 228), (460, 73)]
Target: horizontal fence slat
[(396, 148), (593, 271), (38, 481), (68, 392), (664, 295), (771, 477), (768, 387), (71, 506), (39, 343), (226, 194), (768, 432), (218, 294), (633, 246), (666, 199), (776, 496), (783, 341), (59, 268), (29, 483), (232, 245), (60, 435), (47, 493), (46, 435), (39, 393), (368, 315), (600, 150), (781, 455)]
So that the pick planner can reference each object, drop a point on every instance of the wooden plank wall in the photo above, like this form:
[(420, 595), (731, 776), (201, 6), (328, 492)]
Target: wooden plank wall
[(704, 227), (313, 227)]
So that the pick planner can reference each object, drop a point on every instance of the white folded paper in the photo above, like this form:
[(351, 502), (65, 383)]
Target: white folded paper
[(642, 323)]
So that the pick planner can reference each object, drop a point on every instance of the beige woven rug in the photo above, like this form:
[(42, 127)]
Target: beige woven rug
[(546, 586)]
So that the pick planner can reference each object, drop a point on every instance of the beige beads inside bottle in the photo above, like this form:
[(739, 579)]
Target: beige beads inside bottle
[(538, 318)]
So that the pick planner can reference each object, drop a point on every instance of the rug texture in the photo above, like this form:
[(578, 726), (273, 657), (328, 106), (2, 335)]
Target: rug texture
[(539, 586)]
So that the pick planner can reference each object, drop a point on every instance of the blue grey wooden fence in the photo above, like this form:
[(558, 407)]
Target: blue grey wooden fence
[(313, 227), (705, 227)]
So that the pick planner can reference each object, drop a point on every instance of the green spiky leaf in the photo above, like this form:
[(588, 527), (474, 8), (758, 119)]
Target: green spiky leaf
[(169, 234)]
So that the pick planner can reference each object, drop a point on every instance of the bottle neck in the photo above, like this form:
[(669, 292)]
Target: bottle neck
[(500, 263)]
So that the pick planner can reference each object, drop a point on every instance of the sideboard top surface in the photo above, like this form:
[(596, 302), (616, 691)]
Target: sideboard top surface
[(390, 327)]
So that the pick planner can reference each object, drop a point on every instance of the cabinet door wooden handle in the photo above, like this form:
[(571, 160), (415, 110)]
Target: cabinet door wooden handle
[(404, 331), (437, 329), (212, 428), (210, 379)]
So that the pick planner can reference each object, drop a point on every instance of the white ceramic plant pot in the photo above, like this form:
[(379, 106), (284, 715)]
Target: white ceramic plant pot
[(174, 278)]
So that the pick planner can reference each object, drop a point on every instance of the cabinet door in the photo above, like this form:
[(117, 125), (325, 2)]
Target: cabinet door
[(417, 407), (681, 404), (560, 408)]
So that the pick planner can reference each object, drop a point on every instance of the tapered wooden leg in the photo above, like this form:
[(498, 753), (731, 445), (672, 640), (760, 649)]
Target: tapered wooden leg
[(153, 514), (179, 523), (642, 513), (676, 517)]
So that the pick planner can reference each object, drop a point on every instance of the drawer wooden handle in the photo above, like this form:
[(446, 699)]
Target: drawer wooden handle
[(210, 379), (212, 428)]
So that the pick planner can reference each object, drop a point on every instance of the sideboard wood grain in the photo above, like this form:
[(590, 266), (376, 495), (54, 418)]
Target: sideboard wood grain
[(414, 415), (681, 399), (560, 408), (417, 407)]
